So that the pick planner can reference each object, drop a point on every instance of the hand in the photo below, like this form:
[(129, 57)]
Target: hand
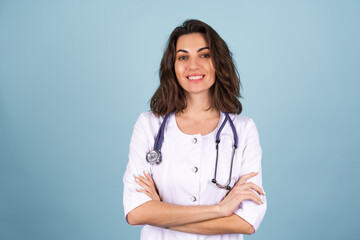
[(240, 192), (148, 186)]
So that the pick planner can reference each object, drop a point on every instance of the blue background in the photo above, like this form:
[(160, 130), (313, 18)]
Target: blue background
[(75, 75)]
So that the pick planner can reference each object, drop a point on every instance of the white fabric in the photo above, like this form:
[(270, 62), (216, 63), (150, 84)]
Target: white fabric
[(176, 179)]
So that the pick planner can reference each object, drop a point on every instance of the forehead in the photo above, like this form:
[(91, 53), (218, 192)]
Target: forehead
[(192, 41)]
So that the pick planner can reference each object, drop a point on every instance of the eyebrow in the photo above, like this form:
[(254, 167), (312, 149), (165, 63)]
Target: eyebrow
[(199, 50)]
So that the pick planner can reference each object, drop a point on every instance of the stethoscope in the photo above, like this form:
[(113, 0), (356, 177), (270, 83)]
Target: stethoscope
[(154, 156)]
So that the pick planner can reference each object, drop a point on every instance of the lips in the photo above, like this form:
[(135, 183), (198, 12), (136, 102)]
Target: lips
[(195, 77)]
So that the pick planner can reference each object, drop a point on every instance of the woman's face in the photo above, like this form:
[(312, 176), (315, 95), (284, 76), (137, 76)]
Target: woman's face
[(193, 65)]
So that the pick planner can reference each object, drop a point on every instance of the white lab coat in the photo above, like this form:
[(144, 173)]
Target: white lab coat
[(188, 165)]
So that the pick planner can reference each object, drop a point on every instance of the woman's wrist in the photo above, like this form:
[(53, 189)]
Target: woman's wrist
[(219, 211)]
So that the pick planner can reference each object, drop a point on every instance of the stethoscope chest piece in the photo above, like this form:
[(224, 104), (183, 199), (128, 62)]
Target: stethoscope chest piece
[(153, 157)]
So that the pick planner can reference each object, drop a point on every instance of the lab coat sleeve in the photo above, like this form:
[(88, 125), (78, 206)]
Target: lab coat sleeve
[(251, 162), (139, 146)]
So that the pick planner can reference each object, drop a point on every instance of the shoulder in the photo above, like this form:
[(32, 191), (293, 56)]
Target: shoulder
[(149, 117), (241, 120), (148, 123), (243, 124)]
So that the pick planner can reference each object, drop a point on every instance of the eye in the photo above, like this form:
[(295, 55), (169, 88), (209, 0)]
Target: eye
[(205, 55), (182, 58)]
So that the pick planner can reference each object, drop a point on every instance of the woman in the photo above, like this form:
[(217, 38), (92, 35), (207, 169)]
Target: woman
[(187, 195)]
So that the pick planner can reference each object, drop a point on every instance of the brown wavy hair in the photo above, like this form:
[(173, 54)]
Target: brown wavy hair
[(170, 96)]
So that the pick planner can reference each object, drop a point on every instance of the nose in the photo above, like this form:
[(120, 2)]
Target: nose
[(193, 63)]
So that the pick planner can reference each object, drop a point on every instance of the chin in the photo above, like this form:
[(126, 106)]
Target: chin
[(197, 90)]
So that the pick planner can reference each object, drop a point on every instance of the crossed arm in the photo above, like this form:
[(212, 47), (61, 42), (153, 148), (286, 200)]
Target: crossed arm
[(211, 219), (223, 225)]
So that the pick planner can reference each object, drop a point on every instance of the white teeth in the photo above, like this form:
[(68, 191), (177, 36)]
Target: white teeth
[(195, 77)]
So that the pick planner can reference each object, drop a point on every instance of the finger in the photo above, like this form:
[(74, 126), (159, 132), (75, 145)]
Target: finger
[(143, 184), (256, 196), (253, 197), (143, 191), (143, 179), (148, 176), (245, 177), (149, 186), (253, 186)]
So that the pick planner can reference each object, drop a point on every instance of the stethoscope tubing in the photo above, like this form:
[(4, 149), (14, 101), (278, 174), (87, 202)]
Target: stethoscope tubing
[(159, 139), (160, 136)]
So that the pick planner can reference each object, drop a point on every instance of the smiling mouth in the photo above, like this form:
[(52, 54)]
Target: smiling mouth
[(198, 77)]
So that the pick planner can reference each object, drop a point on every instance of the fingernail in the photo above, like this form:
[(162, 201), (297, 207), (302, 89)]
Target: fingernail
[(136, 179), (264, 192), (146, 172), (260, 202), (138, 189), (137, 175), (256, 172)]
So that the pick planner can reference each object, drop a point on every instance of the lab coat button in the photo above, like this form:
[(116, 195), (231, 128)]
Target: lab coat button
[(194, 169), (194, 140), (193, 199)]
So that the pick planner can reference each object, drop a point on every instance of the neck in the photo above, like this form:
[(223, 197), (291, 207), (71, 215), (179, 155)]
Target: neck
[(199, 106)]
